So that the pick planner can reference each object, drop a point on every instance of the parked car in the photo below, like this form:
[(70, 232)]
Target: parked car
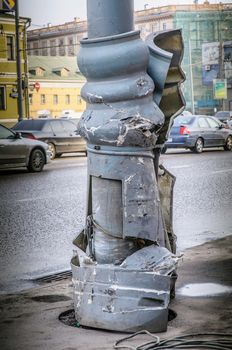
[(225, 117), (60, 135), (73, 120), (44, 113), (70, 114), (16, 151), (196, 132)]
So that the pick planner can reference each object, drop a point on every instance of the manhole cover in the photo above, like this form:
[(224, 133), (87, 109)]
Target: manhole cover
[(68, 318)]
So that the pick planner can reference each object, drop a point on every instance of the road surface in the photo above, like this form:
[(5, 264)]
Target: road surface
[(40, 214)]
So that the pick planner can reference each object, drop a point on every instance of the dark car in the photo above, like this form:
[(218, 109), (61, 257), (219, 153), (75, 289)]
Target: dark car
[(60, 135), (196, 132), (225, 117), (16, 151)]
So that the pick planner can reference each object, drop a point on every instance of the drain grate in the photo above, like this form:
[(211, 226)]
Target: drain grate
[(54, 277)]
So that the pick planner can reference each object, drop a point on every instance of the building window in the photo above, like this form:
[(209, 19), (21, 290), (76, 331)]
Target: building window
[(70, 46), (10, 48), (2, 98), (44, 48), (67, 99), (78, 99), (164, 26), (30, 99), (53, 47), (42, 99), (154, 27), (203, 123), (61, 47), (35, 49), (29, 49), (55, 99)]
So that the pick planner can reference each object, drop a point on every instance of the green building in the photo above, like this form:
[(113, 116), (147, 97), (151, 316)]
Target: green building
[(207, 37), (8, 68)]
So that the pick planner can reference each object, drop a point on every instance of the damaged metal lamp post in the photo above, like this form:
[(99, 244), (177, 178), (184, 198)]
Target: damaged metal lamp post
[(124, 267)]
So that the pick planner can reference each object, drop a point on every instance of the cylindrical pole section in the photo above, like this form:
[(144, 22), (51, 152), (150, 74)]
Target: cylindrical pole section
[(120, 124), (106, 18), (18, 62)]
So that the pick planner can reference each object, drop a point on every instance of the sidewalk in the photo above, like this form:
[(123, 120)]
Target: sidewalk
[(29, 320)]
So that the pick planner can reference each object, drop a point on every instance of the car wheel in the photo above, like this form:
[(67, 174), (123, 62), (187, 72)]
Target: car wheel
[(228, 145), (52, 150), (36, 161), (198, 148)]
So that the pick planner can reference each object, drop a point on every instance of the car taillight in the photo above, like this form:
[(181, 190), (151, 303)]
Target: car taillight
[(30, 136), (184, 130)]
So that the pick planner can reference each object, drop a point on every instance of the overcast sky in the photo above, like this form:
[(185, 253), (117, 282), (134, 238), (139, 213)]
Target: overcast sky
[(43, 12)]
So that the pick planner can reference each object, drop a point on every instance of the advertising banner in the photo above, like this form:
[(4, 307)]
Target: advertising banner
[(227, 55), (210, 53), (209, 73), (7, 5), (220, 89)]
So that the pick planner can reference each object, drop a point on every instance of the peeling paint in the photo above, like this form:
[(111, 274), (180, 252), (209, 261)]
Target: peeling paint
[(145, 290), (141, 82), (94, 98), (93, 129), (140, 161), (130, 178), (108, 141), (138, 128), (108, 308), (148, 92)]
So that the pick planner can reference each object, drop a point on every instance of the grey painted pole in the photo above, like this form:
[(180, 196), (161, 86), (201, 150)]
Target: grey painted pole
[(18, 64), (109, 17), (119, 283)]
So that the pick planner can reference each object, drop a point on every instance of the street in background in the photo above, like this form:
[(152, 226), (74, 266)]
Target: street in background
[(60, 135), (197, 132)]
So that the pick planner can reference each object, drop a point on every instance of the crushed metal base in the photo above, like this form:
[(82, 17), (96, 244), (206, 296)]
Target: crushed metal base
[(107, 296), (68, 318)]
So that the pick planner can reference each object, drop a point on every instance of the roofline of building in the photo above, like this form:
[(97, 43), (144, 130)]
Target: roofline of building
[(52, 81), (6, 16), (192, 7), (168, 10)]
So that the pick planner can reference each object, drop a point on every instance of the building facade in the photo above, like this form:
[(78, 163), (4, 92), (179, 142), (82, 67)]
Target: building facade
[(205, 33), (8, 69), (200, 23), (60, 40), (54, 86)]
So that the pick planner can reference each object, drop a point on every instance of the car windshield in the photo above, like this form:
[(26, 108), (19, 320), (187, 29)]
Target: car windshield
[(183, 120), (222, 115), (29, 125), (6, 133)]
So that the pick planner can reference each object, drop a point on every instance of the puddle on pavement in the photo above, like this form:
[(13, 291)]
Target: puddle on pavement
[(203, 289)]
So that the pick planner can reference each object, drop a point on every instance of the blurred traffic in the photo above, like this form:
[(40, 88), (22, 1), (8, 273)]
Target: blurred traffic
[(16, 151), (197, 132)]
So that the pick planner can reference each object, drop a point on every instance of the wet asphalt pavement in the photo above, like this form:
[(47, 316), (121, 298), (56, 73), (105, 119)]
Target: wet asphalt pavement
[(40, 214)]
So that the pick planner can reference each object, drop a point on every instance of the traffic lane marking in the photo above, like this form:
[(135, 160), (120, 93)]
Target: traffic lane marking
[(221, 171)]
